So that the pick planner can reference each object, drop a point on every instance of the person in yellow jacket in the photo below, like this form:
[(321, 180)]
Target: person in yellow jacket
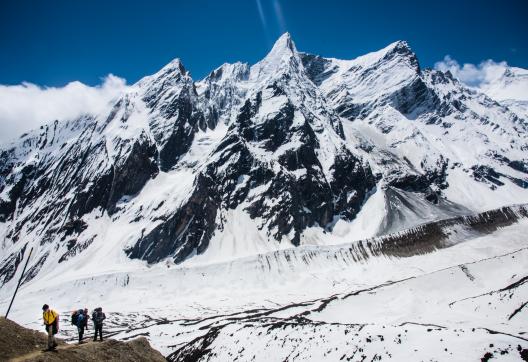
[(51, 322)]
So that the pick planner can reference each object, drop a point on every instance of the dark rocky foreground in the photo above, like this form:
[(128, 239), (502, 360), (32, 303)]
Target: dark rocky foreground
[(21, 344)]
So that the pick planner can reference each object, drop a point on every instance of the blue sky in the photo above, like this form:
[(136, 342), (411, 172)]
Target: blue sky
[(52, 43)]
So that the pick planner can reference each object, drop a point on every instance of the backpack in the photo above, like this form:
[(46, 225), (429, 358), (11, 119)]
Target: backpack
[(98, 317), (80, 319), (74, 318), (55, 327)]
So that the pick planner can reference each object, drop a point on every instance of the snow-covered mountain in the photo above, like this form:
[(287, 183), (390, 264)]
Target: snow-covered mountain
[(296, 151), (509, 85)]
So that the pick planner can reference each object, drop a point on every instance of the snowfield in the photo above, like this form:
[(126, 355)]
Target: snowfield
[(456, 303)]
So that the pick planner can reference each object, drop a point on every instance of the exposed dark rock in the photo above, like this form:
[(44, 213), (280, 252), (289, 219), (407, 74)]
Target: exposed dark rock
[(317, 68), (486, 173), (430, 236), (75, 247), (487, 357), (489, 175), (220, 94), (76, 226), (351, 184), (175, 118), (519, 182), (35, 268), (10, 264), (518, 165), (403, 206), (410, 182), (523, 353), (133, 170), (402, 49), (415, 97), (303, 197), (196, 349), (19, 182), (189, 229)]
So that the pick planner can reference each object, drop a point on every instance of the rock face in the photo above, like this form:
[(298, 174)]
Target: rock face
[(294, 144), (270, 152)]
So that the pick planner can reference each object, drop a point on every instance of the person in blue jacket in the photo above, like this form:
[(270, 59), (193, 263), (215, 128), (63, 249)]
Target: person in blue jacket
[(79, 319)]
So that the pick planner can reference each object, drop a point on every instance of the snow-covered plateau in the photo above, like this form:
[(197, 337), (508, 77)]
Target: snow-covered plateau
[(301, 208)]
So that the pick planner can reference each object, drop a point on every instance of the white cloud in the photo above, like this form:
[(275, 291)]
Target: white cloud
[(498, 80), (473, 75), (27, 106)]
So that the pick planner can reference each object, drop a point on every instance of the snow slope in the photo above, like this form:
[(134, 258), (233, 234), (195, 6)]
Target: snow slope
[(510, 87), (459, 300)]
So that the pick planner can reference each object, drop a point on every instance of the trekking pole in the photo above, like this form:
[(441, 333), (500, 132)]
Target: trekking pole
[(19, 281)]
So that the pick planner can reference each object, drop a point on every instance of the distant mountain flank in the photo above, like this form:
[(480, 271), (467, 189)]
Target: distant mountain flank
[(296, 149)]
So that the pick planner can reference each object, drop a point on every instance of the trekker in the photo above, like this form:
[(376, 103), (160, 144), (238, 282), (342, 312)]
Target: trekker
[(51, 321), (98, 317), (86, 319), (80, 323)]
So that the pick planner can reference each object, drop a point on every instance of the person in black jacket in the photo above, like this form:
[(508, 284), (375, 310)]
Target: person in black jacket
[(86, 319), (98, 317)]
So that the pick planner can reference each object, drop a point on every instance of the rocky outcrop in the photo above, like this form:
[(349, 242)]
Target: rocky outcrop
[(21, 344)]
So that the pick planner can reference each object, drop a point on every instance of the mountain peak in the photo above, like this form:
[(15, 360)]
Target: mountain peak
[(401, 49), (283, 55), (399, 44), (398, 47), (174, 65), (284, 43), (172, 74), (284, 48), (234, 71)]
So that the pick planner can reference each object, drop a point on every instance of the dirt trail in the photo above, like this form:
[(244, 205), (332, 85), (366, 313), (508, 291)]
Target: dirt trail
[(34, 354)]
